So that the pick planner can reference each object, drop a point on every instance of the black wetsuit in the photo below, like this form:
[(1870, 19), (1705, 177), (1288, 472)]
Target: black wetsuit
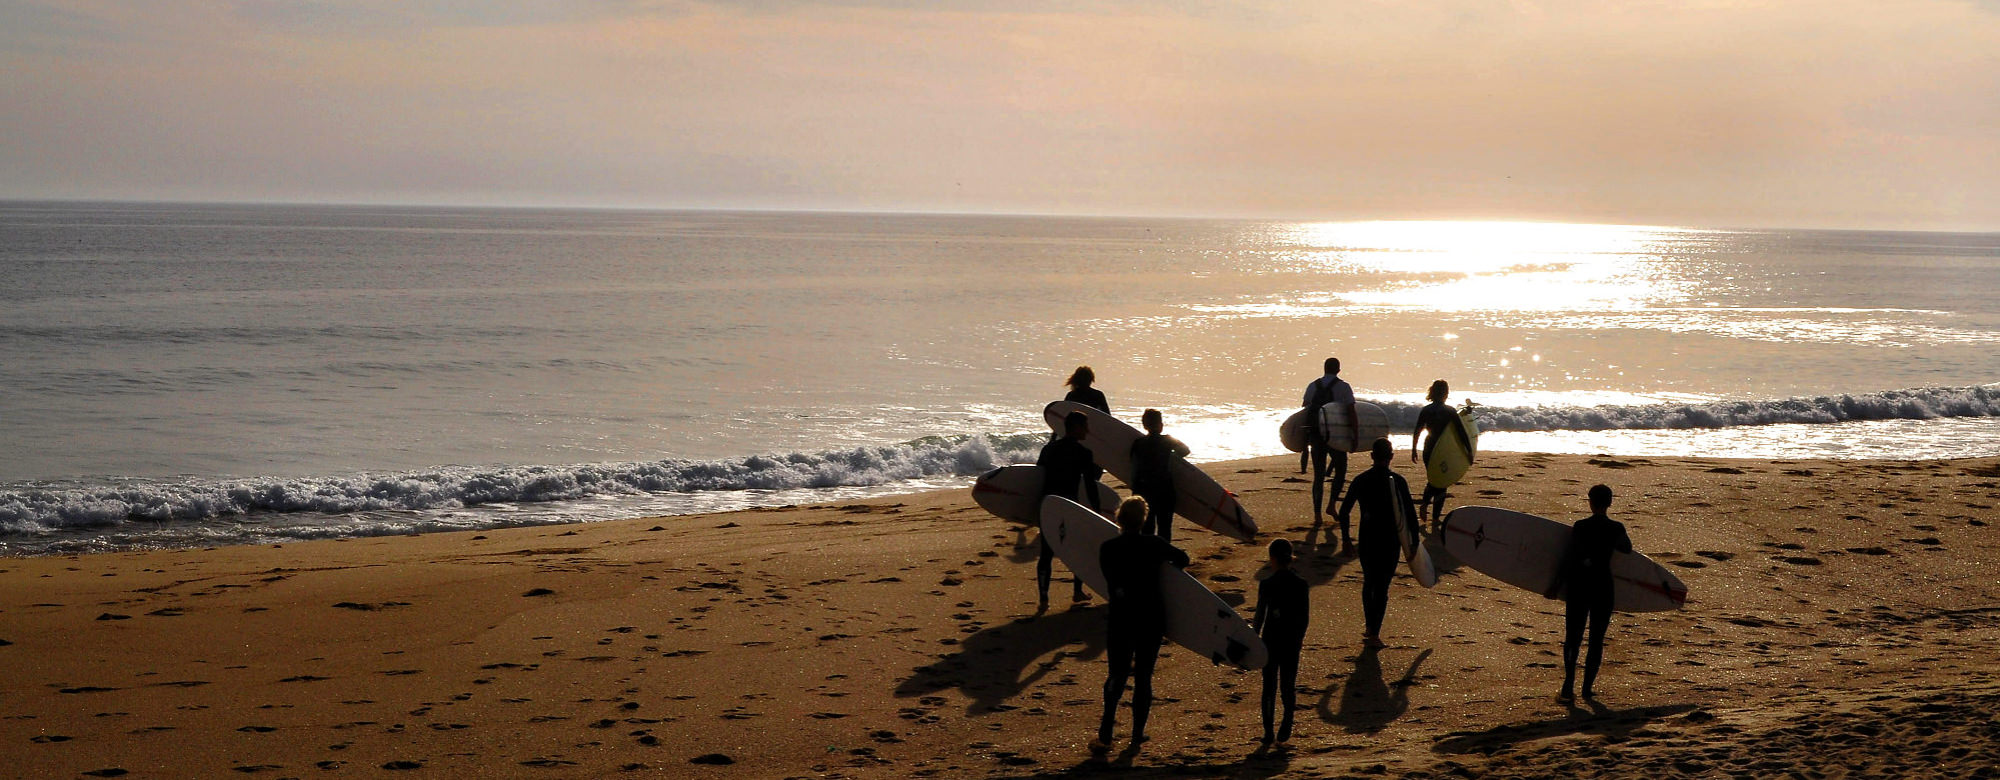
[(1283, 610), (1433, 419), (1153, 459), (1587, 584), (1091, 397), (1138, 622), (1068, 470), (1380, 544), (1325, 390)]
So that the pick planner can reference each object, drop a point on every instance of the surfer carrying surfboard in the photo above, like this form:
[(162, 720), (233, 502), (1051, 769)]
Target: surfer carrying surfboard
[(1138, 616), (1327, 389), (1080, 390), (1432, 419), (1068, 470), (1153, 457), (1384, 497), (1584, 581)]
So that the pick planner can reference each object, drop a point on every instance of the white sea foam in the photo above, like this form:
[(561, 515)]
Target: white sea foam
[(1924, 403)]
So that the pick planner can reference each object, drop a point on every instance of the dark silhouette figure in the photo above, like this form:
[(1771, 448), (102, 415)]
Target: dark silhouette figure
[(1283, 610), (1080, 390), (1153, 458), (1068, 470), (1138, 617), (1432, 419), (1383, 495), (1584, 582), (1327, 389)]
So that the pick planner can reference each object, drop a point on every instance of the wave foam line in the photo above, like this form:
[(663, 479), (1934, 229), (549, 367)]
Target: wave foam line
[(1924, 403), (33, 510)]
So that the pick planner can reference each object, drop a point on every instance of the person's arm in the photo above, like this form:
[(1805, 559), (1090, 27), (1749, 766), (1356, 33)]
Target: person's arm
[(1347, 502), (1624, 541), (1562, 567), (1177, 556), (1263, 600)]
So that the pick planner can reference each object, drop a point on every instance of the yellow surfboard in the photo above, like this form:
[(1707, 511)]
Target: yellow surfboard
[(1455, 448)]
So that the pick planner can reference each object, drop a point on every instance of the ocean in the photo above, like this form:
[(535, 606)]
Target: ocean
[(195, 375)]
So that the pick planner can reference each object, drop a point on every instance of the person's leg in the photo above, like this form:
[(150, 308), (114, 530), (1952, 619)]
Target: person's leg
[(1045, 570), (1339, 479), (1270, 698), (1600, 619), (1145, 655), (1574, 614), (1162, 506), (1118, 650), (1375, 575), (1320, 456), (1288, 680)]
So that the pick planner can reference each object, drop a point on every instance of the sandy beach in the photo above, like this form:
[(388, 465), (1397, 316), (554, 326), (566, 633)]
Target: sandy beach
[(1843, 622)]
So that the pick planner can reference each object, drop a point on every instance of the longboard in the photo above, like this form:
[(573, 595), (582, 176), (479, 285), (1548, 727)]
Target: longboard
[(1198, 497), (1526, 550), (1369, 423), (1414, 553), (1015, 493), (1197, 619), (1452, 456), (1295, 431)]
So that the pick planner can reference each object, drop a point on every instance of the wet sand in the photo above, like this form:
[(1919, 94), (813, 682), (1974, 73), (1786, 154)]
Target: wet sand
[(1844, 622)]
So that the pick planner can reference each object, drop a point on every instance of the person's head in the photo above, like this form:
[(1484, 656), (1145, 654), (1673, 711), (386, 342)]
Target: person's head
[(1382, 451), (1076, 425), (1440, 390), (1132, 515), (1152, 420), (1081, 378), (1332, 365), (1600, 498), (1281, 554)]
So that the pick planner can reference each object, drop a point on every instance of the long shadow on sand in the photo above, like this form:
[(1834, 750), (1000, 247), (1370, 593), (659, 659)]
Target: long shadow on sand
[(998, 662), (1263, 763), (1599, 720), (1367, 703)]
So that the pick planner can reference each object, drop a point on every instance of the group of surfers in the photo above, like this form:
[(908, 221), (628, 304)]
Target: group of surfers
[(1130, 561)]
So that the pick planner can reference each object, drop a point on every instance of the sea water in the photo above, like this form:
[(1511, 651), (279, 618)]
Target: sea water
[(177, 375)]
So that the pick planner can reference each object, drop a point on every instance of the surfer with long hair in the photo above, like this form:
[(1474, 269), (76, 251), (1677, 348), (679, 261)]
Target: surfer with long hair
[(1584, 583), (1138, 617), (1432, 419), (1081, 391)]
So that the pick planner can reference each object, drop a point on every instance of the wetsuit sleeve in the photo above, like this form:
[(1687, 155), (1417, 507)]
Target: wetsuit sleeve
[(1176, 556), (1622, 542), (1562, 569), (1353, 492), (1263, 601)]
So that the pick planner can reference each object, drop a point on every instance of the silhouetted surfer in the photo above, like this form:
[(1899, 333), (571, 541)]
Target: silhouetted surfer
[(1138, 621), (1283, 608), (1381, 544), (1080, 390), (1153, 457), (1586, 573), (1068, 470), (1433, 419), (1327, 389)]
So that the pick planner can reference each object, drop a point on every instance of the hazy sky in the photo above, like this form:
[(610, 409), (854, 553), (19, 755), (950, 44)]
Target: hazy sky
[(1871, 113)]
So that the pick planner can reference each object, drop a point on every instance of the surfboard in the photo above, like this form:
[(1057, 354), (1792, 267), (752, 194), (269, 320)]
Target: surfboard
[(1525, 551), (1357, 435), (1295, 431), (1452, 456), (1418, 558), (1197, 619), (1198, 497), (1015, 493)]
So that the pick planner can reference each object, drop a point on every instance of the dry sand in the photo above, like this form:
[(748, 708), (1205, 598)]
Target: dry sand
[(1844, 623)]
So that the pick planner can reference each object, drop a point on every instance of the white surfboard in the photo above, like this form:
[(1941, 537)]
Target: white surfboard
[(1295, 431), (1525, 551), (1197, 619), (1452, 456), (1414, 553), (1015, 493), (1198, 496), (1356, 434)]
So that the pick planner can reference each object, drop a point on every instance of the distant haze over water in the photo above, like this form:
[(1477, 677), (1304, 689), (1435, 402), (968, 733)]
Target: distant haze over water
[(196, 374)]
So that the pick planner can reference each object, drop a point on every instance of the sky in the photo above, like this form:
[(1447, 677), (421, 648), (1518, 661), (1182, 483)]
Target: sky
[(1833, 113)]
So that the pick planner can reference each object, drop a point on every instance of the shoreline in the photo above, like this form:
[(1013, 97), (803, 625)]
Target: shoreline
[(1841, 616)]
